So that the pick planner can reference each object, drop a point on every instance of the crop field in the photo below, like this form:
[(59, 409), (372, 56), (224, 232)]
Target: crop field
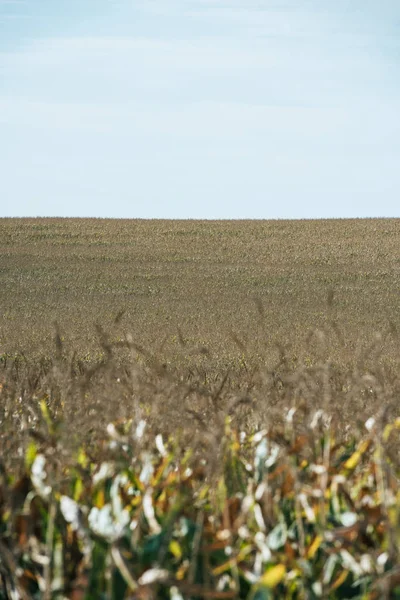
[(205, 279), (199, 409)]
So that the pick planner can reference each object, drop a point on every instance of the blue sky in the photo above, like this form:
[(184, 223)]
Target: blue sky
[(200, 108)]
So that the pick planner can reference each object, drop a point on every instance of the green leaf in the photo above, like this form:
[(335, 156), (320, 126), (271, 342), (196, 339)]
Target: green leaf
[(97, 572)]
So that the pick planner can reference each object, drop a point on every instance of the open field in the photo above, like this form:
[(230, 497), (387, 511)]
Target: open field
[(202, 277), (233, 433)]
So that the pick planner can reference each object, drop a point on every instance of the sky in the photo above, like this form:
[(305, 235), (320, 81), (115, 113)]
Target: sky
[(211, 109)]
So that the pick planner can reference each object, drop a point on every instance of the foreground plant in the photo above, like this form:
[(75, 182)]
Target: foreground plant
[(290, 513)]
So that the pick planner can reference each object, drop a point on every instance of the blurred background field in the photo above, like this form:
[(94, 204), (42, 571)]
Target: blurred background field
[(206, 282)]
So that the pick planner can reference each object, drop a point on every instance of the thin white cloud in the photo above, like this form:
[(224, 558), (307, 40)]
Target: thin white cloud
[(58, 116), (210, 124), (13, 17), (283, 16), (143, 70), (206, 53)]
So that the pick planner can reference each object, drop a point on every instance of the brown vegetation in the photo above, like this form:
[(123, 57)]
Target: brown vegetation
[(201, 278), (206, 332)]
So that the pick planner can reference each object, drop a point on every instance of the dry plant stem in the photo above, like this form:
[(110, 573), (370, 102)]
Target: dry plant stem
[(324, 477), (8, 559), (324, 485), (47, 571), (393, 551), (196, 546), (228, 526), (299, 521), (120, 563), (192, 590)]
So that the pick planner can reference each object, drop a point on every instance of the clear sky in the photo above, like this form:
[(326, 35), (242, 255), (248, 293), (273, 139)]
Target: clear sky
[(200, 108)]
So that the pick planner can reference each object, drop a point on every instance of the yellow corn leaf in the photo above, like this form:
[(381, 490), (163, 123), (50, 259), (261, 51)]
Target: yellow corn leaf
[(232, 562), (226, 566), (273, 576), (136, 501), (100, 499), (181, 572), (30, 454), (78, 489), (339, 580), (46, 414), (314, 546), (202, 494), (221, 494), (160, 471), (137, 483), (387, 431), (175, 549), (389, 428), (355, 458), (82, 458), (393, 514), (235, 447)]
